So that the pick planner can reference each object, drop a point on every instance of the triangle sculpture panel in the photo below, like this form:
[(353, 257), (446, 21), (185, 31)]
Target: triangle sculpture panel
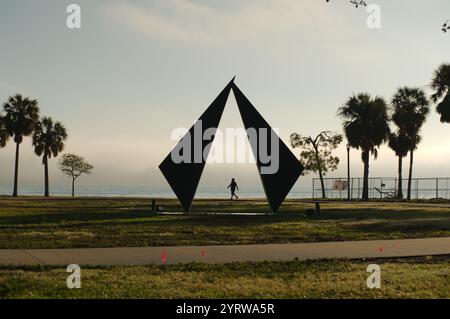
[(278, 168), (183, 177), (279, 174)]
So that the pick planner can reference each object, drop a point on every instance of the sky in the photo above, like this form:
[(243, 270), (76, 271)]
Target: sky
[(136, 70)]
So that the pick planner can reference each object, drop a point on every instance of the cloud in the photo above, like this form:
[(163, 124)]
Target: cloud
[(186, 20), (155, 21)]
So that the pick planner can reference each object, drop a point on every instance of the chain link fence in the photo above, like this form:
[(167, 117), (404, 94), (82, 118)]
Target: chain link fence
[(383, 187)]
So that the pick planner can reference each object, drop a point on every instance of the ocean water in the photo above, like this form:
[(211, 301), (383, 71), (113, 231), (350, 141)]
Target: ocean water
[(425, 191), (147, 191)]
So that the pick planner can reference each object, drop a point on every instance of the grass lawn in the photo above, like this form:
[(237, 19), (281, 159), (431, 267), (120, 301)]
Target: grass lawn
[(427, 277), (35, 222)]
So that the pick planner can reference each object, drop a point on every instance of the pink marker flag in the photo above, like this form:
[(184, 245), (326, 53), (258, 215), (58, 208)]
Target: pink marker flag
[(164, 256)]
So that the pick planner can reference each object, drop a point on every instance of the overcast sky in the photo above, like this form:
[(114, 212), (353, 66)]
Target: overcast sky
[(138, 69)]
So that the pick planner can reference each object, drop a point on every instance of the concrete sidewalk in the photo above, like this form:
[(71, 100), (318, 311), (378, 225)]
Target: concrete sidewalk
[(228, 253)]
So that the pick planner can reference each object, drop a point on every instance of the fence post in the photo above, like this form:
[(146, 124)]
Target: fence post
[(437, 188), (446, 188), (358, 188), (351, 194), (395, 187), (313, 187), (417, 188)]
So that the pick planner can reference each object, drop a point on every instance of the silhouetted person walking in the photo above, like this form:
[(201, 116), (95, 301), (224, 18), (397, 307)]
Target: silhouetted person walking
[(233, 186)]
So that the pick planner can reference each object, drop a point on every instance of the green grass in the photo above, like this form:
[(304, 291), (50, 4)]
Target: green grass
[(427, 277), (28, 222)]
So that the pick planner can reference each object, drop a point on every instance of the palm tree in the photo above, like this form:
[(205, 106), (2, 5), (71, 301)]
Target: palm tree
[(21, 115), (3, 133), (48, 141), (400, 142), (366, 126), (410, 109), (441, 85)]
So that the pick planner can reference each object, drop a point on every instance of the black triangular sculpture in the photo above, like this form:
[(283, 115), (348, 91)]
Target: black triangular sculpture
[(276, 184), (184, 177)]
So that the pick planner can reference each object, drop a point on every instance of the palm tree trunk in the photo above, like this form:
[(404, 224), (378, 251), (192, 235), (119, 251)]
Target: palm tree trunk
[(46, 192), (365, 192), (16, 170), (73, 187), (400, 181), (411, 160)]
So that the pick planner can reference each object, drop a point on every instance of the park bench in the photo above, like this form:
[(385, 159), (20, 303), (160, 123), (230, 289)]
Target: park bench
[(386, 193)]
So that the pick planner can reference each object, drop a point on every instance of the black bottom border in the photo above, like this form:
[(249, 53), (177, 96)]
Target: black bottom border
[(223, 308)]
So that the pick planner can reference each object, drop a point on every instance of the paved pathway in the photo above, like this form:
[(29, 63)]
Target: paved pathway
[(226, 253)]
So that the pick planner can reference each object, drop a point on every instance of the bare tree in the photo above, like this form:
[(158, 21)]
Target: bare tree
[(316, 154), (74, 166), (446, 26)]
